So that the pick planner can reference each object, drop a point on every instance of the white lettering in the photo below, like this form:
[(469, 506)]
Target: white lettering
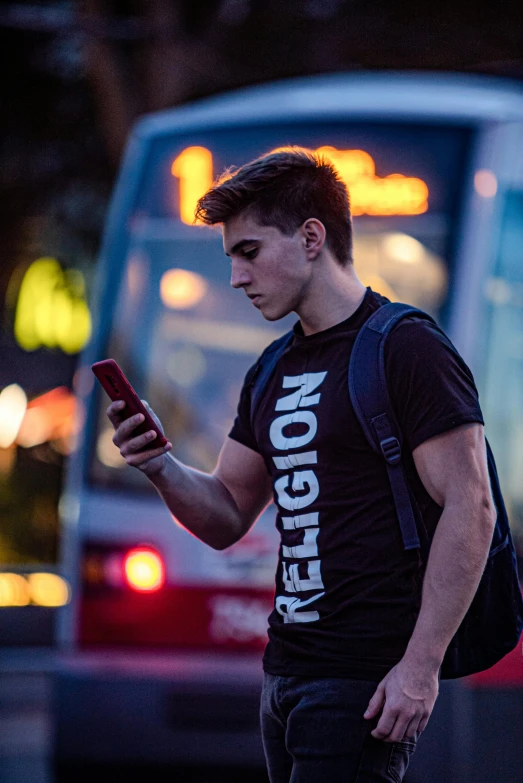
[(303, 520), (300, 479), (294, 460), (289, 609), (309, 548), (294, 584), (307, 383), (279, 441)]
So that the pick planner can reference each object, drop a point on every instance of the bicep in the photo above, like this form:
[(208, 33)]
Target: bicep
[(243, 473), (453, 466)]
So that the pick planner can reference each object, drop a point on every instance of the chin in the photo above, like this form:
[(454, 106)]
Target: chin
[(273, 314)]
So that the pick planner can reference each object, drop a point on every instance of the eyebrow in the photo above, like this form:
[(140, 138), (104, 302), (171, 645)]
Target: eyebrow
[(240, 245)]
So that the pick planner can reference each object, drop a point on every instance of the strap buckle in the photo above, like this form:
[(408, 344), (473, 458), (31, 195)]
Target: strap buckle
[(391, 450)]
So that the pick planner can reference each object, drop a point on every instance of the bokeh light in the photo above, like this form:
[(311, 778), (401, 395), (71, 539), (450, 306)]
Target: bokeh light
[(485, 183), (144, 570), (107, 452), (13, 405), (48, 589), (14, 590), (403, 248), (181, 289)]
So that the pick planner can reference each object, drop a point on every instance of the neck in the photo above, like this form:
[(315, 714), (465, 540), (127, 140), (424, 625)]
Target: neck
[(334, 294)]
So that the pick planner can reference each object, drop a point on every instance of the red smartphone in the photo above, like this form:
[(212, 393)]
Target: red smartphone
[(118, 387)]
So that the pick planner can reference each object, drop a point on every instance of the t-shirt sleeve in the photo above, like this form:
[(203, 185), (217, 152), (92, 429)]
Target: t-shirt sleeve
[(432, 390), (241, 429)]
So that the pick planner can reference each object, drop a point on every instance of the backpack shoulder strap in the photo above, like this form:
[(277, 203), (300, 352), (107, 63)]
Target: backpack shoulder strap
[(371, 401), (265, 367)]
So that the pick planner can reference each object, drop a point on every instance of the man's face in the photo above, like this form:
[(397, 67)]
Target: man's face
[(272, 268)]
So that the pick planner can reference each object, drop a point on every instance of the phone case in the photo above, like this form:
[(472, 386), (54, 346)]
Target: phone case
[(118, 387)]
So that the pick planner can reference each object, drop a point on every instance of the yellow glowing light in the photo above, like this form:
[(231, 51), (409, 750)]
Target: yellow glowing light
[(107, 452), (13, 405), (48, 589), (373, 195), (14, 590), (193, 169), (370, 194), (404, 248), (485, 183), (51, 310), (181, 289), (144, 570)]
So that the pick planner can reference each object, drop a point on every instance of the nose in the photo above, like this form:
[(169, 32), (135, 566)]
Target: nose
[(240, 276)]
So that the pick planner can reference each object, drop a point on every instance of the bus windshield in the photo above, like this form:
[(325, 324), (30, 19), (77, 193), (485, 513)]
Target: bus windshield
[(186, 339)]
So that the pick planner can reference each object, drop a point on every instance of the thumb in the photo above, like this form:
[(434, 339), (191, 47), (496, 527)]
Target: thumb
[(376, 703)]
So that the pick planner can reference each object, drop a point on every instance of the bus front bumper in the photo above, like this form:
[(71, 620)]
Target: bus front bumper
[(157, 708)]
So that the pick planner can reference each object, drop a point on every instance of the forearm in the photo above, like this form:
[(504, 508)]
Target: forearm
[(199, 502), (455, 565)]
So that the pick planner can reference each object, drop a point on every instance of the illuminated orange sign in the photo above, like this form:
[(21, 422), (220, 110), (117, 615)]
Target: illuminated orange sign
[(193, 169), (395, 194), (373, 195)]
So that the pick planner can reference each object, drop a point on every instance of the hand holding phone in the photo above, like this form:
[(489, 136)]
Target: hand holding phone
[(118, 387)]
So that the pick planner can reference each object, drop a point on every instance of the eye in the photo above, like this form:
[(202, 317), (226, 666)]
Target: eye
[(250, 254)]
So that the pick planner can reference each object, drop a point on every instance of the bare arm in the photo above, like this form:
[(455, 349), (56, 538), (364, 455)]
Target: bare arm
[(218, 508), (461, 543), (453, 469)]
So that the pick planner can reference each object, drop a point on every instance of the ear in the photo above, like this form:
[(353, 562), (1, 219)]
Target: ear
[(313, 235)]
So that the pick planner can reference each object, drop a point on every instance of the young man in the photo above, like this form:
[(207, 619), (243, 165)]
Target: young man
[(355, 644)]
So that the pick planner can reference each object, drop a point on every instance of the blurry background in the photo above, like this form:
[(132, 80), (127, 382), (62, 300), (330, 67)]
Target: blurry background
[(75, 77)]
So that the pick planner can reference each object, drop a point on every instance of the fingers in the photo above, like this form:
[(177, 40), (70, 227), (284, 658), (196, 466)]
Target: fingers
[(136, 451), (142, 458), (125, 428), (115, 412), (129, 447), (395, 725), (376, 703), (392, 728), (385, 726), (413, 728), (139, 446)]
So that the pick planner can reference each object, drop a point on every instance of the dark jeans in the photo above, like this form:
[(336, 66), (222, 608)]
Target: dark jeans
[(314, 731)]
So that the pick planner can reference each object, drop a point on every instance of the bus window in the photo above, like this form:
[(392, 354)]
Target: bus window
[(501, 374), (186, 339)]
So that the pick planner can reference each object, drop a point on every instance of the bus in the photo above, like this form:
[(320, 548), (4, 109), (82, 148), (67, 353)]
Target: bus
[(160, 646)]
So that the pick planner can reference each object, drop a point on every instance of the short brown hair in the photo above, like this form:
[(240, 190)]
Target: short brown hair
[(284, 188)]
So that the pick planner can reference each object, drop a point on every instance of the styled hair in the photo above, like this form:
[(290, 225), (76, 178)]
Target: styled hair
[(284, 188)]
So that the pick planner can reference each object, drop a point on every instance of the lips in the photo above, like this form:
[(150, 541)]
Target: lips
[(255, 298)]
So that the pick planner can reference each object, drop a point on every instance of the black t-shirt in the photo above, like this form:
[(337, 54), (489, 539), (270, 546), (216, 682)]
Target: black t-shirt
[(347, 593)]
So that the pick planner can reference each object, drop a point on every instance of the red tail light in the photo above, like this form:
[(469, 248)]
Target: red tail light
[(144, 570)]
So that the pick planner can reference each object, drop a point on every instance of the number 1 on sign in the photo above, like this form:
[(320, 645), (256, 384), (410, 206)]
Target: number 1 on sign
[(193, 169)]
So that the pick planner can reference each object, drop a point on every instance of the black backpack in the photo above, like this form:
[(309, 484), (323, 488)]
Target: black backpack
[(493, 623)]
